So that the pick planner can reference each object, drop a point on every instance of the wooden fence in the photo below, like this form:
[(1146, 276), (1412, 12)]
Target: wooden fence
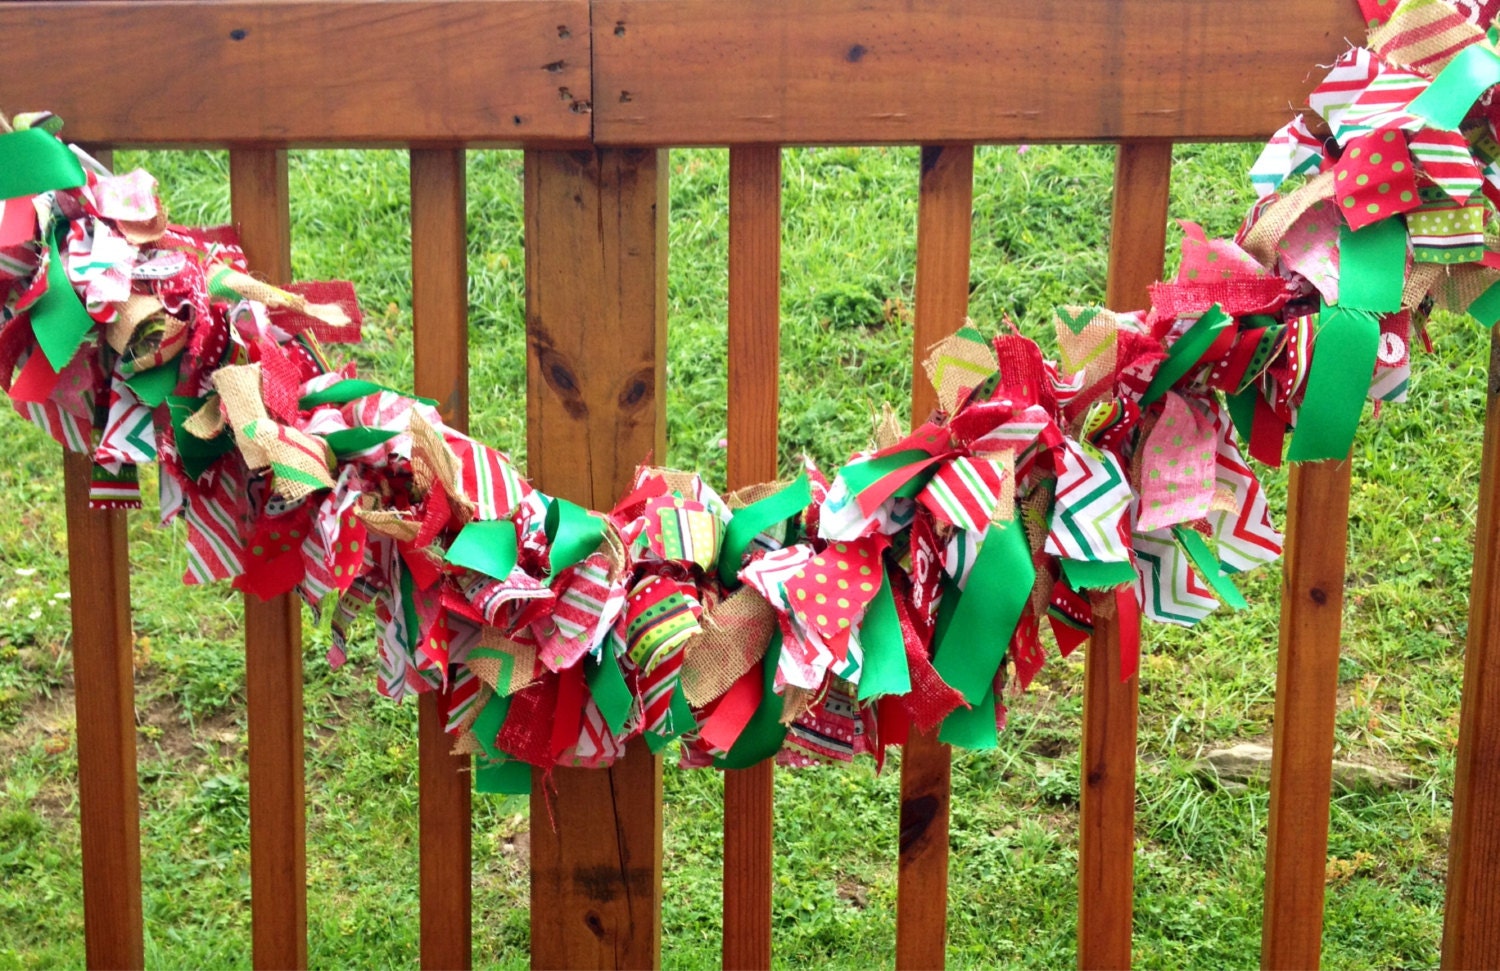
[(595, 91)]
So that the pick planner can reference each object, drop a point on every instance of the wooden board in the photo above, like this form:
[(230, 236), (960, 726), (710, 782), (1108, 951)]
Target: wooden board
[(1471, 926), (754, 382), (842, 71), (596, 263), (944, 230), (309, 71), (1106, 831), (1307, 681), (104, 685), (273, 639), (440, 339)]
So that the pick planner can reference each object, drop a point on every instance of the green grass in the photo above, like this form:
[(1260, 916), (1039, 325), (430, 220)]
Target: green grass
[(1040, 232)]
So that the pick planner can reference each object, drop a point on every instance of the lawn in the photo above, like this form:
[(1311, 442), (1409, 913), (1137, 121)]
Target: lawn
[(1041, 227)]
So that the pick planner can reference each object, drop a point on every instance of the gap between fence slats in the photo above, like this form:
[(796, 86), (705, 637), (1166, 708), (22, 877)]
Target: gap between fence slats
[(104, 699), (596, 263), (754, 362), (440, 340), (1106, 832), (945, 214), (1307, 681), (273, 638), (1471, 924)]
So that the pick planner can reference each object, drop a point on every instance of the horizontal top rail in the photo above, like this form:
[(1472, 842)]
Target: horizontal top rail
[(669, 72)]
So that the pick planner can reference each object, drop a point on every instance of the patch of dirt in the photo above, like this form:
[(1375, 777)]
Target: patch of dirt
[(854, 892), (161, 725), (50, 723)]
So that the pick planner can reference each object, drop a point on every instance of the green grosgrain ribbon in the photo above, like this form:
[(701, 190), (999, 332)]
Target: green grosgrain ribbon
[(352, 441), (196, 454), (756, 518), (1187, 351), (978, 631), (33, 161), (502, 778), (1337, 382), (573, 533), (1453, 92), (607, 685), (485, 546), (1097, 574), (763, 735), (885, 670), (918, 465), (156, 385), (972, 728), (1486, 309), (58, 318), (1208, 566), (351, 389), (1372, 266)]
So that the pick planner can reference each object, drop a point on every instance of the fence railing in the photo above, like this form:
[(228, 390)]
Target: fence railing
[(595, 92)]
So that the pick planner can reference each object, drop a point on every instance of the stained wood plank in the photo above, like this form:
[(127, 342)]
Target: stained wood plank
[(841, 71), (440, 338), (945, 210), (1471, 925), (1106, 835), (754, 382), (596, 260), (273, 639), (311, 71), (104, 684), (1307, 676)]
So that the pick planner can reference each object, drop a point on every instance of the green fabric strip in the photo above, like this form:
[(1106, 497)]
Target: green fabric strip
[(58, 317), (507, 778), (1208, 566), (351, 389), (1342, 362), (682, 720), (972, 728), (1486, 309), (487, 726), (607, 685), (352, 441), (1242, 411), (196, 454), (1186, 352), (1453, 92), (153, 386), (976, 638), (764, 734), (1096, 574), (487, 546), (755, 519), (34, 161), (1372, 266), (573, 532), (886, 671)]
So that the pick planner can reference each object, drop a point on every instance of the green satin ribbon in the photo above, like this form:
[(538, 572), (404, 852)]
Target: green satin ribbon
[(154, 386), (1187, 351), (1337, 384), (860, 476), (764, 733), (196, 454), (351, 389), (972, 728), (573, 533), (1208, 566), (885, 670), (756, 518), (1486, 309), (507, 778), (1453, 92), (33, 161), (1372, 266), (1242, 411), (58, 318), (975, 639), (607, 686), (1097, 574), (488, 724), (352, 441), (485, 546)]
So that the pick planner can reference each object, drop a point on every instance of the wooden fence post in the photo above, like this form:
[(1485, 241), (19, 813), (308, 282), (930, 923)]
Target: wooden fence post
[(273, 638), (596, 264), (1471, 923), (440, 344)]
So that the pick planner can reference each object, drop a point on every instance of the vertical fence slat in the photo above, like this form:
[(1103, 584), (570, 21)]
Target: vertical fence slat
[(754, 383), (1307, 675), (945, 215), (1471, 923), (273, 638), (104, 697), (440, 338), (1106, 834), (596, 265)]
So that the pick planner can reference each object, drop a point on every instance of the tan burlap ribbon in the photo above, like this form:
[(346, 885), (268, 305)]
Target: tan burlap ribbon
[(734, 637), (136, 310), (433, 461), (1424, 35), (956, 364), (298, 462), (252, 289), (1283, 214)]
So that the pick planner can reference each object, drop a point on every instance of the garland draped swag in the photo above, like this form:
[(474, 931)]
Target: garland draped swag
[(810, 620)]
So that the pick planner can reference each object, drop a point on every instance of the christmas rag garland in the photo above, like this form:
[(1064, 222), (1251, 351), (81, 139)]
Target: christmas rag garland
[(812, 620)]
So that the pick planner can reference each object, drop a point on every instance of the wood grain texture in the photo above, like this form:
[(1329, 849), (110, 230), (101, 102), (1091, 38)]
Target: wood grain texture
[(307, 71), (754, 382), (440, 339), (104, 680), (1307, 680), (273, 638), (1471, 925), (1106, 835), (596, 262), (842, 71), (945, 211)]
